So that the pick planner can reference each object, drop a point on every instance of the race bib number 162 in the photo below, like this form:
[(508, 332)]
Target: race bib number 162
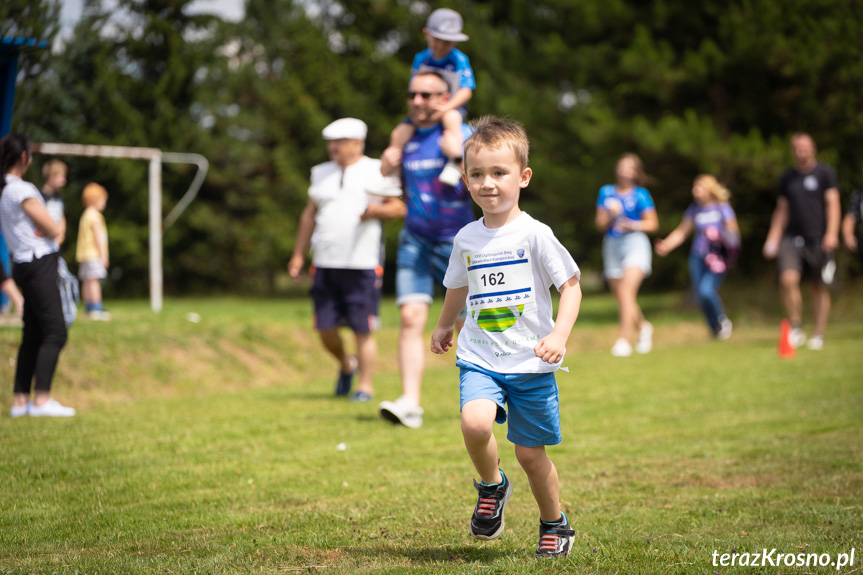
[(499, 278)]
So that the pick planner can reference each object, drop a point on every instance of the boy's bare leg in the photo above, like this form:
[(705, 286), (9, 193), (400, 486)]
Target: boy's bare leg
[(477, 422), (542, 476)]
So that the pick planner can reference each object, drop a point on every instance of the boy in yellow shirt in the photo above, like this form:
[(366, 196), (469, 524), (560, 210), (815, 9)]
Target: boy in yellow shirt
[(92, 252)]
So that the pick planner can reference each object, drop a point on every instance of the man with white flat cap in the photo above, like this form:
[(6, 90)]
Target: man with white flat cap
[(341, 224)]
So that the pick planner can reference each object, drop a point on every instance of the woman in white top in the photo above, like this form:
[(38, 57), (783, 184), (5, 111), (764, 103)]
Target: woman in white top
[(29, 231)]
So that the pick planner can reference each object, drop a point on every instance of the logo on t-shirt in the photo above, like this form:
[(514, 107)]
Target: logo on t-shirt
[(810, 183)]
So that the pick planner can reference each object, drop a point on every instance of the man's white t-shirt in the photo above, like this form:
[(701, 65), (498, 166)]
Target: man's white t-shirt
[(340, 239), (509, 271)]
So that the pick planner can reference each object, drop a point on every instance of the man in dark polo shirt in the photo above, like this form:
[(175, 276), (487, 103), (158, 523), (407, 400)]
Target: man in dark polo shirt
[(804, 233)]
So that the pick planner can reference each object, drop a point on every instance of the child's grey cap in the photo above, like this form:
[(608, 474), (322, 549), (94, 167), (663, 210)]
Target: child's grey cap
[(346, 128), (445, 24)]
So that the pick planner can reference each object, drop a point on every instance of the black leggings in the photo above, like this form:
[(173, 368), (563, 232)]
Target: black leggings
[(44, 333)]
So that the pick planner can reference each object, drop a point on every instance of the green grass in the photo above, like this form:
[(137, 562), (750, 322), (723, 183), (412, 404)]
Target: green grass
[(211, 448)]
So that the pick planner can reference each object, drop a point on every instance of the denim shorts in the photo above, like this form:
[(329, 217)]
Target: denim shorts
[(532, 400), (420, 265), (631, 250)]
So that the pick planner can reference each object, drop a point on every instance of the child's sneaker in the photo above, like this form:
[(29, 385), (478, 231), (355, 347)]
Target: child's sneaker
[(99, 315), (51, 408), (645, 338), (487, 520), (403, 411), (555, 540), (451, 174)]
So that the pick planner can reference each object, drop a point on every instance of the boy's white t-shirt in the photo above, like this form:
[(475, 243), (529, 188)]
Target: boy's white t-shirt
[(509, 271)]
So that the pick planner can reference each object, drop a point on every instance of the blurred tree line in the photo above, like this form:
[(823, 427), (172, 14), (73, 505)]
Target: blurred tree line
[(716, 86)]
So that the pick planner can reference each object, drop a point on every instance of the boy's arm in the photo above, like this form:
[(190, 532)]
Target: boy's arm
[(461, 97), (101, 238), (551, 348), (453, 303)]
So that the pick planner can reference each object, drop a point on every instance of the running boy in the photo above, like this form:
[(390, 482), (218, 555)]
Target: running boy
[(503, 265), (442, 32)]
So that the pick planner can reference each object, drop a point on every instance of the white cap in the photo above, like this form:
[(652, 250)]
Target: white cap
[(346, 128)]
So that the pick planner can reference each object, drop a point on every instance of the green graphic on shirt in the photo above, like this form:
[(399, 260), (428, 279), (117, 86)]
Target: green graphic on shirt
[(498, 319)]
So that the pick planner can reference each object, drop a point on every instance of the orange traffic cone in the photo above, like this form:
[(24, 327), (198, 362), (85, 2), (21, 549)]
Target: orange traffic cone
[(785, 350)]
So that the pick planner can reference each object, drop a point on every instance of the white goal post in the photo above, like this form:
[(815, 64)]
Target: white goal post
[(157, 226)]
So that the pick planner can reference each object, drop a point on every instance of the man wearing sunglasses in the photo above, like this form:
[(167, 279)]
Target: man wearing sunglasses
[(435, 213)]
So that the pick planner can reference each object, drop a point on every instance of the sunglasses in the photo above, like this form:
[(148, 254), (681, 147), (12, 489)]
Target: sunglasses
[(423, 95)]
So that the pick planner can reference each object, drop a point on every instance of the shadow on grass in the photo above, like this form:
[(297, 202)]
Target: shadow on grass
[(478, 553)]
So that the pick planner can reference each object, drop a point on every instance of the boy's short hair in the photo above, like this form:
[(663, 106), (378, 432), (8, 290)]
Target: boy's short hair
[(52, 167), (494, 132), (92, 193)]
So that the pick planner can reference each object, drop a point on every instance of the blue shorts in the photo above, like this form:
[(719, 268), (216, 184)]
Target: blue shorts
[(631, 250), (420, 265), (346, 298), (532, 399)]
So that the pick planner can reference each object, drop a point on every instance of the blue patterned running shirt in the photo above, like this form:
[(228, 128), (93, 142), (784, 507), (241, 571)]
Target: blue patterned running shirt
[(435, 211)]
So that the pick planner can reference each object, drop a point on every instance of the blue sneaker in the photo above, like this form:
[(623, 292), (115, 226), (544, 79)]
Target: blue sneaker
[(360, 397), (344, 383)]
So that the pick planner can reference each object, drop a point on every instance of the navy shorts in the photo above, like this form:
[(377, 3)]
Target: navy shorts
[(346, 298)]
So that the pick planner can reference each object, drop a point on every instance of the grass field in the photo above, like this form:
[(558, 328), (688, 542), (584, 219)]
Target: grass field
[(211, 447)]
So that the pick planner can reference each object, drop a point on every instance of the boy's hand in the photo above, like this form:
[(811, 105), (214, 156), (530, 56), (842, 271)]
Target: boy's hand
[(441, 340), (551, 348), (437, 115)]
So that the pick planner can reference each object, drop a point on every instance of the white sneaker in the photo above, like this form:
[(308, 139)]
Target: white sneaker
[(387, 187), (403, 411), (51, 408), (19, 411), (725, 327), (621, 348), (451, 174), (816, 342), (796, 338), (99, 315), (645, 338)]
